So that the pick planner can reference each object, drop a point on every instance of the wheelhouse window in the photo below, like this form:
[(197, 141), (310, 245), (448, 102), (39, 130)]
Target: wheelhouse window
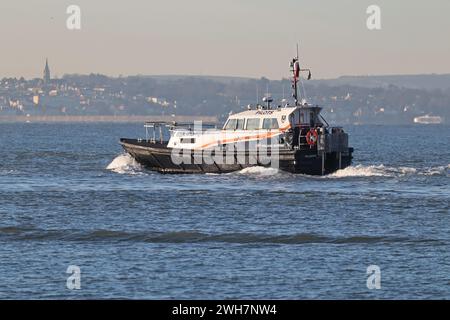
[(302, 117), (231, 124), (252, 124), (187, 140), (270, 123), (240, 124)]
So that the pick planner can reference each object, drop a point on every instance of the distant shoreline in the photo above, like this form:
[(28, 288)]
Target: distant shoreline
[(106, 118)]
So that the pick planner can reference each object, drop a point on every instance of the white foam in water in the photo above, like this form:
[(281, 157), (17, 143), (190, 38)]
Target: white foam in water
[(435, 171), (360, 171), (406, 170), (124, 163), (372, 171), (6, 172), (262, 171)]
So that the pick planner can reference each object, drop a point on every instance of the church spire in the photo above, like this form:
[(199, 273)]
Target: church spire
[(46, 77)]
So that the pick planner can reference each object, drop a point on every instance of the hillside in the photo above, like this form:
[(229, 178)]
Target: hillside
[(371, 99)]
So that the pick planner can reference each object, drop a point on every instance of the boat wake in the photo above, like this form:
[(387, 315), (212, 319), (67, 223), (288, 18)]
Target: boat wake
[(259, 171), (372, 171), (437, 171), (358, 171), (386, 171), (124, 164)]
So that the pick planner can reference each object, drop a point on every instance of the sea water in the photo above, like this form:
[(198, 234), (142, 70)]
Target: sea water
[(69, 196)]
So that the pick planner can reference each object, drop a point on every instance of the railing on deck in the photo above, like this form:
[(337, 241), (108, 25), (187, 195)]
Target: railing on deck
[(160, 131), (336, 141), (329, 139)]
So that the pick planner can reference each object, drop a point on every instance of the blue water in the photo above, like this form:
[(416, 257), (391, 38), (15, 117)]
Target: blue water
[(258, 233)]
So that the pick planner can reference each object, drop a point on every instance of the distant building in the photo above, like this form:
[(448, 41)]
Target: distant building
[(46, 76)]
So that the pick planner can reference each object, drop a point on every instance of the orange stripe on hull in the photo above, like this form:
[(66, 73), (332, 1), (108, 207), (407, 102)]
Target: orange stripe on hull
[(246, 138)]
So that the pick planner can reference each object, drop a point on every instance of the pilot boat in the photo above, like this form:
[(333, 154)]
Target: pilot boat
[(293, 138)]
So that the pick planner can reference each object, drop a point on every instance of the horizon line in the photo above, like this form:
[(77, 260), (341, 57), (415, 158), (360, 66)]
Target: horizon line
[(227, 76)]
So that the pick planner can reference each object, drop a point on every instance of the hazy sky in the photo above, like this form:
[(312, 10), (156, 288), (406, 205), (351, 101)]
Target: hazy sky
[(227, 37)]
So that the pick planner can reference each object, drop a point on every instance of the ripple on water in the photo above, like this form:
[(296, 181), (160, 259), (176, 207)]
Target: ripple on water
[(26, 233)]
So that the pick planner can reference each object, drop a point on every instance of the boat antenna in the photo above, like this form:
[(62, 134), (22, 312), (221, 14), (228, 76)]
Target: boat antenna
[(296, 70)]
